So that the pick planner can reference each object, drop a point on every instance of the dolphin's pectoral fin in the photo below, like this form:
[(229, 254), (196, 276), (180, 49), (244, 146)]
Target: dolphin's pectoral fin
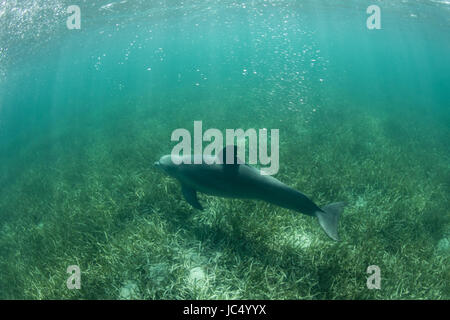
[(191, 196)]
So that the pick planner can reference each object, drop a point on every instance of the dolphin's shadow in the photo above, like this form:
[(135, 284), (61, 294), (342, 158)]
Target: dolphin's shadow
[(231, 236)]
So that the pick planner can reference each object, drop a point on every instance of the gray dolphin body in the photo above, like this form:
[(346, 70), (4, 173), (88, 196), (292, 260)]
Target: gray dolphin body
[(246, 182)]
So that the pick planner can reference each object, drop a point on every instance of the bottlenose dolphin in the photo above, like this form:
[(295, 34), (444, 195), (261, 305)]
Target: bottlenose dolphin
[(238, 180)]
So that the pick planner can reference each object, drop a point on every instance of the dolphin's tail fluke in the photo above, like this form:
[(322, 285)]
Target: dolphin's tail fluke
[(329, 217)]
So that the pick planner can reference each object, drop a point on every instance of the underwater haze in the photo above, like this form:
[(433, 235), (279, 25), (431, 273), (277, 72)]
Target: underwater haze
[(363, 117)]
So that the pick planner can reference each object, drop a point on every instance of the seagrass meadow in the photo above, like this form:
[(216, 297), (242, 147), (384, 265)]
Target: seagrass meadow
[(363, 117)]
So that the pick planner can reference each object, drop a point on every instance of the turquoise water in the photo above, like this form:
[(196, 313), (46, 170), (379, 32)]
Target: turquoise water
[(363, 118)]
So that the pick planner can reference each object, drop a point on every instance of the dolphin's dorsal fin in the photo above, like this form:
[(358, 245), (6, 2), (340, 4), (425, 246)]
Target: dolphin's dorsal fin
[(228, 155), (191, 196), (229, 159)]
